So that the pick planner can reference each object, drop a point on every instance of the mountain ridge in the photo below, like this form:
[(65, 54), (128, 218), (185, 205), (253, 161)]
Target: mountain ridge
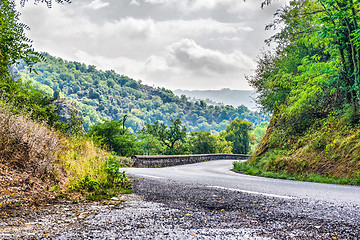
[(224, 96)]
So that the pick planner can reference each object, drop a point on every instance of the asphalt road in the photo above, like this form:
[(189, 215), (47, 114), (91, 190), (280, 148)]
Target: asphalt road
[(200, 201), (217, 175)]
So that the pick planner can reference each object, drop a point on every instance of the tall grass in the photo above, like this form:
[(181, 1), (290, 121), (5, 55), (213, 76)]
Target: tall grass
[(94, 171), (27, 145), (76, 162)]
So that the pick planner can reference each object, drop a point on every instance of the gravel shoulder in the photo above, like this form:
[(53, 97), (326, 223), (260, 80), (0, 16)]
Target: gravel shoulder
[(163, 209)]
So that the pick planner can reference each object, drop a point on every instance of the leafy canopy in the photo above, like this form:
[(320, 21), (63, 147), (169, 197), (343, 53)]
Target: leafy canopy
[(238, 133)]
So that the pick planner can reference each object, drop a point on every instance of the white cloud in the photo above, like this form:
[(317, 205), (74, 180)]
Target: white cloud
[(134, 2), (160, 1), (97, 4), (122, 65), (197, 46), (156, 63), (201, 5), (197, 58), (128, 27), (202, 26)]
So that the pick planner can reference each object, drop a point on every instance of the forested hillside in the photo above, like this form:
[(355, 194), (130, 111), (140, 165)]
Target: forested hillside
[(225, 96), (311, 85), (106, 94)]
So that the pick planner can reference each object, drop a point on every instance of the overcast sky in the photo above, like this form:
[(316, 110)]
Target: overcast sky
[(186, 44)]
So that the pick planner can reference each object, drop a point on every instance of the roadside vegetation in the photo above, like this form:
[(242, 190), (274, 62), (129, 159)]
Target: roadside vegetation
[(310, 84), (39, 152), (65, 162)]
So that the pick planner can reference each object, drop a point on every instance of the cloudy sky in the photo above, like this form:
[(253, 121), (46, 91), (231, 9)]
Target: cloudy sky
[(186, 44)]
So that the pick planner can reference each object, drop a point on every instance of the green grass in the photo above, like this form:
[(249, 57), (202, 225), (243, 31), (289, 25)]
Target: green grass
[(244, 168), (111, 182)]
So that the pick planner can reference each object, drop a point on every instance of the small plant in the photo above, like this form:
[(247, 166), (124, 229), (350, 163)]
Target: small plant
[(55, 188), (109, 181)]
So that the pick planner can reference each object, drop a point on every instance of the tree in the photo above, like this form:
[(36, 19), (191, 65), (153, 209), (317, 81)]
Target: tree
[(14, 45), (112, 135), (205, 143), (149, 144), (170, 136), (238, 133), (202, 142)]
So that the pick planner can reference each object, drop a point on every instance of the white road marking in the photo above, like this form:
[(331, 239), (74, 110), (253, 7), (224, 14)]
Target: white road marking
[(251, 192), (143, 175)]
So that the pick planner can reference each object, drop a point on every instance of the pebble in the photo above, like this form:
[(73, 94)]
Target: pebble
[(162, 209)]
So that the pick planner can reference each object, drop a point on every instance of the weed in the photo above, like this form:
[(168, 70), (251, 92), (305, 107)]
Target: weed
[(55, 188), (109, 182)]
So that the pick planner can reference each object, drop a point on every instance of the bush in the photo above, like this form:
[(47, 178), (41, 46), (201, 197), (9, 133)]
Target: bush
[(107, 183), (114, 137)]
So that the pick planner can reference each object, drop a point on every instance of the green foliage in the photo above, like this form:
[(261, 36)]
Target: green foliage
[(204, 143), (172, 137), (113, 136), (26, 98), (112, 182), (32, 146), (311, 85), (149, 144), (243, 167), (257, 133), (14, 45), (106, 94), (115, 178), (238, 133), (315, 69)]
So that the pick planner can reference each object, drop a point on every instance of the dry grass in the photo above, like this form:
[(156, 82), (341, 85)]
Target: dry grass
[(26, 145), (35, 159)]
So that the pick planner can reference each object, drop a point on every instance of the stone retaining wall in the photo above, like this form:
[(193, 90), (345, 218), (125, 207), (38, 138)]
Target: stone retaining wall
[(172, 160)]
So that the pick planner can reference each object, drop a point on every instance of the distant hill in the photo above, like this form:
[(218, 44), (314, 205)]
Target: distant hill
[(224, 96), (106, 94)]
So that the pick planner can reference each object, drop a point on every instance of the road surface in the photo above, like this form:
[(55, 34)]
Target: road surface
[(203, 201), (217, 174)]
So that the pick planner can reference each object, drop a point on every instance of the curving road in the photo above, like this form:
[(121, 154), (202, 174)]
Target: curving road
[(208, 201), (217, 175)]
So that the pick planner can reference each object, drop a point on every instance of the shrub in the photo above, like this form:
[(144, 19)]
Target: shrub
[(107, 182)]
